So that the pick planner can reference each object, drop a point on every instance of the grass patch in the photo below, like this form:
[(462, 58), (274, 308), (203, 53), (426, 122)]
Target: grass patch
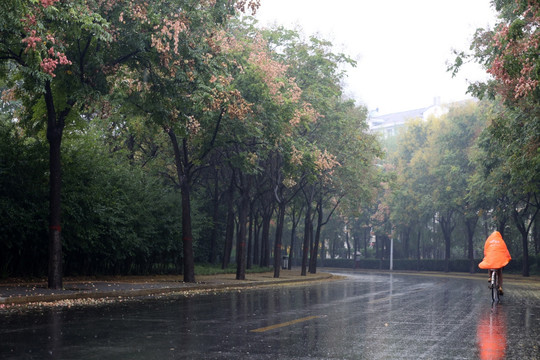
[(210, 269)]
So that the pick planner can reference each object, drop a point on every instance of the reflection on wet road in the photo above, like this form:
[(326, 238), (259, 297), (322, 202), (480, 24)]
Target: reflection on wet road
[(365, 316), (491, 333)]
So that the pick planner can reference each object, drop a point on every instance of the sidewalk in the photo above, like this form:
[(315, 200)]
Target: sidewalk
[(13, 294)]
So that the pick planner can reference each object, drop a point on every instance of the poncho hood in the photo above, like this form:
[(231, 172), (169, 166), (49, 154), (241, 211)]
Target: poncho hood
[(496, 253)]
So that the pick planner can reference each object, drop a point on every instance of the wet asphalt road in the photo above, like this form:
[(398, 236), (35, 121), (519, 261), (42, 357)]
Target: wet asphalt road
[(365, 316)]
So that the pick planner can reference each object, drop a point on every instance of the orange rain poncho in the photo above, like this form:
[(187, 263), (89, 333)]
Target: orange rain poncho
[(496, 254)]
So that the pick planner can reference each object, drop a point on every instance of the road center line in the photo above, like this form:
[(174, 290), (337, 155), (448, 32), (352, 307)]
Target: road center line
[(277, 326)]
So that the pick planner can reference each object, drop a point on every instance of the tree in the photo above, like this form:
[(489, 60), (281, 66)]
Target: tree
[(55, 55), (510, 53), (405, 201), (333, 153), (183, 84), (463, 125)]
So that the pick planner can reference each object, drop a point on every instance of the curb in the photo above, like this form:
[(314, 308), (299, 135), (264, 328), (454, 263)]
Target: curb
[(164, 290)]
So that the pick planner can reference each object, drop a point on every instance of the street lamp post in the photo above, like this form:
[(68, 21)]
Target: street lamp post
[(392, 253)]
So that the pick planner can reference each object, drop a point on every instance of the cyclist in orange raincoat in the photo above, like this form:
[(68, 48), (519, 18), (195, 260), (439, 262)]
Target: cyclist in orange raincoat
[(496, 256)]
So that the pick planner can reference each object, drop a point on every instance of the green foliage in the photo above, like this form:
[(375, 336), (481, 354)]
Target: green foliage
[(23, 202), (118, 219)]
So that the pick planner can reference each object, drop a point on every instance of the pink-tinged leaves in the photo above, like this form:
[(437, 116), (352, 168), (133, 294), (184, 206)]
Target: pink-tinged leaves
[(518, 45)]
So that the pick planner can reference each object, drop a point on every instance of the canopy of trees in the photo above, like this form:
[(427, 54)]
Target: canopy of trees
[(170, 128)]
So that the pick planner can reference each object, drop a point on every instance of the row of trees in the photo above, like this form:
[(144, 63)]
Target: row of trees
[(479, 165), (140, 101), (446, 194)]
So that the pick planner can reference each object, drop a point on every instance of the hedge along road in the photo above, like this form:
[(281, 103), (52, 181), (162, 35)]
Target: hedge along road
[(364, 316)]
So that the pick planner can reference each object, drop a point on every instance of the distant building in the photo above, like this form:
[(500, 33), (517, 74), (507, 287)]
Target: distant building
[(389, 124)]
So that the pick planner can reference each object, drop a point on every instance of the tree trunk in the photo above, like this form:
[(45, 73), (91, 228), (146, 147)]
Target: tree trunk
[(348, 245), (265, 239), (377, 244), (184, 178), (471, 227), (315, 249), (250, 237), (356, 243), (366, 235), (307, 232), (447, 227), (406, 241), (55, 129), (501, 225), (216, 223), (418, 252), (279, 234), (524, 242), (187, 235), (524, 231), (293, 238), (242, 230), (229, 227), (322, 255), (536, 235), (256, 232), (55, 240)]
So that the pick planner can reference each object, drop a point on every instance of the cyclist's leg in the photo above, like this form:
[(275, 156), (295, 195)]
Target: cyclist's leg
[(499, 275)]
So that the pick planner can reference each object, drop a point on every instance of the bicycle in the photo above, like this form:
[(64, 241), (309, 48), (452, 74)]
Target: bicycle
[(494, 286)]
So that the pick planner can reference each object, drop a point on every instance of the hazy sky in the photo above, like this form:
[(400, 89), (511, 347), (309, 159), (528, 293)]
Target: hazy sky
[(402, 46)]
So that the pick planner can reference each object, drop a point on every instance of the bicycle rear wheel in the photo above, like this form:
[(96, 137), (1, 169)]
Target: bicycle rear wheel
[(494, 287)]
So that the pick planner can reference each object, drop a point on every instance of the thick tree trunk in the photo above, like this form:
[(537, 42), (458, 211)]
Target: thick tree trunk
[(184, 179), (55, 129), (55, 239)]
